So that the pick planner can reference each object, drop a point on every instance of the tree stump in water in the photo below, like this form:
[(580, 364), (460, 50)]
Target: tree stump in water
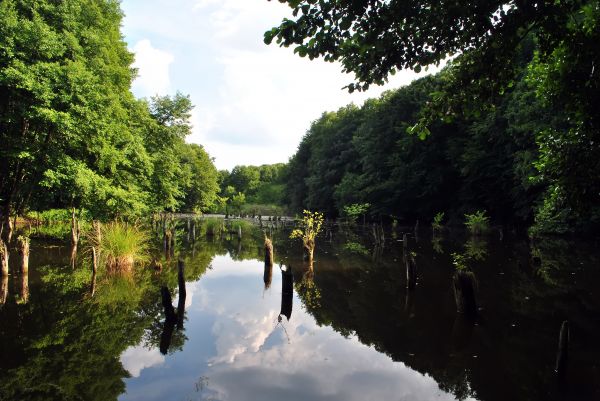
[(465, 284), (268, 252), (23, 244)]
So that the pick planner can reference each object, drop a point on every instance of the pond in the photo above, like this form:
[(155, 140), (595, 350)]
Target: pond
[(349, 331)]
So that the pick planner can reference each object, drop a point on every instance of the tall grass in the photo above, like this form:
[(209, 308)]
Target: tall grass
[(121, 246), (213, 226)]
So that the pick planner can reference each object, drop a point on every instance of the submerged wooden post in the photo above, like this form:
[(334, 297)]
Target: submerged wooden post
[(240, 233), (3, 259), (268, 252), (562, 355), (465, 284)]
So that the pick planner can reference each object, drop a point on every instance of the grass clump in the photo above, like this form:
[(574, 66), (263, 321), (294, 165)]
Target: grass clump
[(213, 226), (121, 246), (477, 223)]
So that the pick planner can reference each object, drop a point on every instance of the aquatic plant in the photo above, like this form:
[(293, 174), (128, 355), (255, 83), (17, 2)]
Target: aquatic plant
[(311, 226), (355, 210), (120, 245), (437, 221), (459, 261), (477, 223), (355, 247)]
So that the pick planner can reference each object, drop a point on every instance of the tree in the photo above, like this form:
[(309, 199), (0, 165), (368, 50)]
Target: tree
[(375, 38)]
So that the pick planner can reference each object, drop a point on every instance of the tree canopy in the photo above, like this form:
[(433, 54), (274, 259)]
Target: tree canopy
[(72, 133)]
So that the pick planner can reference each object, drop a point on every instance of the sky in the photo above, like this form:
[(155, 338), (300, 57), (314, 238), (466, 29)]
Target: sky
[(253, 102)]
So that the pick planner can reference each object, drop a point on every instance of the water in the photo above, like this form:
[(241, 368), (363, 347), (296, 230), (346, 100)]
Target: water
[(354, 331)]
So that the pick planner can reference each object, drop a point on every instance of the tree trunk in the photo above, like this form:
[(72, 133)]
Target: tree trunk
[(3, 259), (23, 243)]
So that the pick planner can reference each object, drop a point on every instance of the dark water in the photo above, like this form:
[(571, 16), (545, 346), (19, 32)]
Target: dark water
[(354, 331)]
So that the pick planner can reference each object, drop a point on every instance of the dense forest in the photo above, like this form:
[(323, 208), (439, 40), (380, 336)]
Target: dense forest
[(73, 134), (510, 126)]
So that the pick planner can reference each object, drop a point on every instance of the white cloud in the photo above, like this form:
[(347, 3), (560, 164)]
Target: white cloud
[(134, 359), (253, 102), (153, 69)]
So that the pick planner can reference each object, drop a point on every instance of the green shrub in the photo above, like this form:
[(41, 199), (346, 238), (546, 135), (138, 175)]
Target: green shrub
[(437, 221), (477, 223)]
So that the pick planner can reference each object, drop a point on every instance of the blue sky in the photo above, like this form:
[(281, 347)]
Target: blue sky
[(253, 103)]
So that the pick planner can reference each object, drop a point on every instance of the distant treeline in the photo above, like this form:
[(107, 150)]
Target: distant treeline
[(517, 158), (252, 189), (71, 132)]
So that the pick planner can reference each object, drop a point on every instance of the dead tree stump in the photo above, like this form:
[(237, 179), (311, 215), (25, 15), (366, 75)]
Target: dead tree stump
[(268, 252), (465, 285)]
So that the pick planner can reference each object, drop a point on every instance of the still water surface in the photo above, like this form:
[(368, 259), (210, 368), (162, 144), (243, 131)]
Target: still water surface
[(350, 332)]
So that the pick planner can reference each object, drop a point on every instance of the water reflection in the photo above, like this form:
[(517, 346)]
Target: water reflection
[(358, 332), (268, 276), (24, 288), (287, 292), (3, 288)]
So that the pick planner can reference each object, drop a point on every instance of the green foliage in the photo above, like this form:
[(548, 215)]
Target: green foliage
[(477, 223), (355, 210), (509, 125), (310, 227), (263, 210), (355, 247), (459, 261), (72, 132), (437, 221)]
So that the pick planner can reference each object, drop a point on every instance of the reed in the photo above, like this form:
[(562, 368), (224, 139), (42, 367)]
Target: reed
[(121, 246)]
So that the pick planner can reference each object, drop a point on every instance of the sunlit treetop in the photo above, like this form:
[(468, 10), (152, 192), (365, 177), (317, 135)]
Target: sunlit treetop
[(375, 38)]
